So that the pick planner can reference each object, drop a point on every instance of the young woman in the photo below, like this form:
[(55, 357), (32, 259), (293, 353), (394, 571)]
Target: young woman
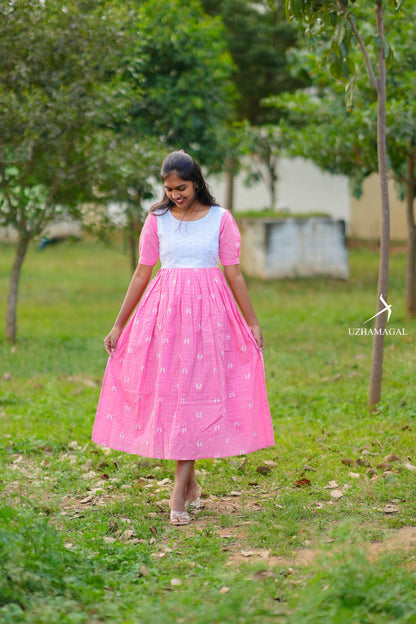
[(185, 377)]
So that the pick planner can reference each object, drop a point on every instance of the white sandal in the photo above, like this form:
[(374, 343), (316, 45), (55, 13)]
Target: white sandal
[(179, 518), (193, 503)]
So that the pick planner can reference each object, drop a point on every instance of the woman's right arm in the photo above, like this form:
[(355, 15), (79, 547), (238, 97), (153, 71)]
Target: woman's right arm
[(136, 288)]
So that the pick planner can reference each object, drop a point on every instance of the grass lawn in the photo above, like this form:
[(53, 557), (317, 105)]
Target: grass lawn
[(319, 529)]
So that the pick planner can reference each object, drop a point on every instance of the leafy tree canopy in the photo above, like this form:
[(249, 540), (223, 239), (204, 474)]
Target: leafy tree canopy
[(257, 39)]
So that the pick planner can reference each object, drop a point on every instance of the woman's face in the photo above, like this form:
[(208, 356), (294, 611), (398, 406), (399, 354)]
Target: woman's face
[(181, 192)]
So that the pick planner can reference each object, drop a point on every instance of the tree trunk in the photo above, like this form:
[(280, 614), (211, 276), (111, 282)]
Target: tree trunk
[(273, 178), (11, 314), (383, 277), (229, 181), (411, 244)]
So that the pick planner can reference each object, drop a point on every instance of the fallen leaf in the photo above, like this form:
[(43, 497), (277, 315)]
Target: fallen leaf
[(336, 494), (109, 540), (410, 467), (270, 463), (126, 535), (347, 461), (164, 481), (389, 509), (235, 493), (248, 553), (384, 466), (87, 465), (309, 468), (242, 466), (262, 575), (86, 500), (89, 475), (264, 470), (362, 462), (224, 590), (392, 458), (354, 475), (302, 482), (144, 571), (332, 485)]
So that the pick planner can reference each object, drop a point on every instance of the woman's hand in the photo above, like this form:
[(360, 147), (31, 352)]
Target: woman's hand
[(110, 341), (258, 336)]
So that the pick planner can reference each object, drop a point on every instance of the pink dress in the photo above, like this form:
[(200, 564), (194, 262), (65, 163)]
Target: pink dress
[(186, 380)]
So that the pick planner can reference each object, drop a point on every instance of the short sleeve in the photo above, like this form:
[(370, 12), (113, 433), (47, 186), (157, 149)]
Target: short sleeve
[(230, 240), (149, 242)]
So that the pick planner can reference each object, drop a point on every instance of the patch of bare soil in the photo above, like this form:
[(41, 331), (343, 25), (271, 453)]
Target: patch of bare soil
[(403, 539)]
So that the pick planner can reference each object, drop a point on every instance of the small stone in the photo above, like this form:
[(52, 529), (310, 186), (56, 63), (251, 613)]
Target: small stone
[(390, 509), (175, 582)]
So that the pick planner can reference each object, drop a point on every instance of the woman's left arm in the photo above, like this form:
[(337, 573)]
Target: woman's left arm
[(238, 287)]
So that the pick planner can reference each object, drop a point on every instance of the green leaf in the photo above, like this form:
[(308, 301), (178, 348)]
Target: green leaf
[(378, 42)]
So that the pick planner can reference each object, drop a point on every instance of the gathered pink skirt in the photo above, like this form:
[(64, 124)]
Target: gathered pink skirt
[(186, 380)]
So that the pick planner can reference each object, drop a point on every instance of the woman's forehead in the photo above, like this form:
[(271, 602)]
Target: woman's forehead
[(173, 179)]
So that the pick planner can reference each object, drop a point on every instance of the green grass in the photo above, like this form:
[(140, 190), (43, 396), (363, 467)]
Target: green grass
[(264, 548), (269, 213)]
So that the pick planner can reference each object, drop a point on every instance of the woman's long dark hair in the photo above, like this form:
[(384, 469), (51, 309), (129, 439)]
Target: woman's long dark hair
[(188, 169)]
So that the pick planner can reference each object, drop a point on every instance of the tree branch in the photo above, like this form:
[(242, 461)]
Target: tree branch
[(363, 47)]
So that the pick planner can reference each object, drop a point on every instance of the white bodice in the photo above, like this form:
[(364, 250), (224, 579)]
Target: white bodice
[(189, 244)]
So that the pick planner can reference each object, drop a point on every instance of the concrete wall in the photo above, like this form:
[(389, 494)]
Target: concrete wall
[(366, 213), (58, 230), (302, 187), (273, 249)]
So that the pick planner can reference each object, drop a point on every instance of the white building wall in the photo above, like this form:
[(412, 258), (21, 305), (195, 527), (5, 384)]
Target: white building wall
[(301, 188)]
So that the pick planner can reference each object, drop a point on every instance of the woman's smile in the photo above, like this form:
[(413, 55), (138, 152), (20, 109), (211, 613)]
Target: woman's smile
[(181, 192)]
